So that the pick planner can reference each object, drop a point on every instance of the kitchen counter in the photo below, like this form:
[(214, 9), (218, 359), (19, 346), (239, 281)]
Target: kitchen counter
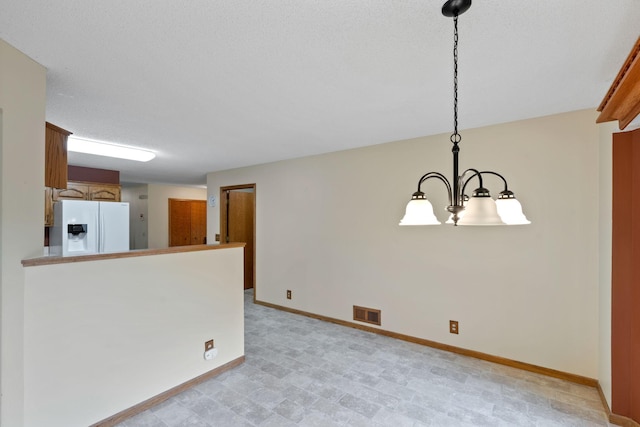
[(49, 260)]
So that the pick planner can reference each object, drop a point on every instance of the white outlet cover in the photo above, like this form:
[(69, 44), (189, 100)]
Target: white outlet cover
[(210, 354)]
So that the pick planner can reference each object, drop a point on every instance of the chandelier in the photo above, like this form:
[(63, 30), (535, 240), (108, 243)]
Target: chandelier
[(480, 209)]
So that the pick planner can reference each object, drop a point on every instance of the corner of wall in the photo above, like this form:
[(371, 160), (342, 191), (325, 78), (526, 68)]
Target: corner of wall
[(23, 99), (606, 131)]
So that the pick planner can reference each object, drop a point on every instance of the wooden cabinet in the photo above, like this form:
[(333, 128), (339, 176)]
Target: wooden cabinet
[(104, 192), (88, 191), (55, 164), (187, 222), (48, 206), (74, 191)]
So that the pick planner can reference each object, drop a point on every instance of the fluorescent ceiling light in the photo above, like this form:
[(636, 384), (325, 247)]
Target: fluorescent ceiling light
[(88, 146)]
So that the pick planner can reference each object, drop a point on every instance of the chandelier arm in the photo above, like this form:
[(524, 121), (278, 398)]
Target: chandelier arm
[(499, 176), (439, 176), (476, 173), (479, 175)]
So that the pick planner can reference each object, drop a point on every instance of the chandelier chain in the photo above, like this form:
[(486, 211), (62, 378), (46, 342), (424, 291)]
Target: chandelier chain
[(455, 137)]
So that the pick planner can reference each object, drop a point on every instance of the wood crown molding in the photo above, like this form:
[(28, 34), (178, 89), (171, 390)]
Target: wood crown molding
[(622, 101)]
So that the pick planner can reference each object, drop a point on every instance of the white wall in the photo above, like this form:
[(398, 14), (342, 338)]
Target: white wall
[(606, 195), (22, 118), (327, 228), (158, 203), (137, 197), (102, 336)]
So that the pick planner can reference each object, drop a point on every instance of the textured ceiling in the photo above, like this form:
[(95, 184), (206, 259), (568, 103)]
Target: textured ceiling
[(212, 85)]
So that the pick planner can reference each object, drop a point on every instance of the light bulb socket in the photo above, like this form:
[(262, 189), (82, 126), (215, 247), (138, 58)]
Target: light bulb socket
[(418, 195), (481, 192), (506, 194)]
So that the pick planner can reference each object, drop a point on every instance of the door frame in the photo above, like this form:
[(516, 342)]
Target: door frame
[(223, 221)]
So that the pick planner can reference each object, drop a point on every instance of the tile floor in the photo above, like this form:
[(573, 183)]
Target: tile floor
[(304, 372)]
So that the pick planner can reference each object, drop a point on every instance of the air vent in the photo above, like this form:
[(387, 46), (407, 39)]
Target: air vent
[(368, 315)]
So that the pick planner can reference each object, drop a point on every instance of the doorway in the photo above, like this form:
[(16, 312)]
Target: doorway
[(237, 224), (187, 222)]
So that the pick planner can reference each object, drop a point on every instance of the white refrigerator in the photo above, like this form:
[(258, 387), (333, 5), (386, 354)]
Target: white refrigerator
[(82, 227)]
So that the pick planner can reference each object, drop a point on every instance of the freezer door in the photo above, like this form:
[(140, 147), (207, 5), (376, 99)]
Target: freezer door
[(70, 216), (114, 227)]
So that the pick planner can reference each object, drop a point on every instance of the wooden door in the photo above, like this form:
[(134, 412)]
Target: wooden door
[(198, 222), (179, 222), (187, 222), (238, 224), (625, 276)]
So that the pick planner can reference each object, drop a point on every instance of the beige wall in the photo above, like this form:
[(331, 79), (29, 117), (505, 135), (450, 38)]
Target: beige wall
[(22, 117), (604, 298), (327, 228), (102, 336), (137, 197), (158, 204)]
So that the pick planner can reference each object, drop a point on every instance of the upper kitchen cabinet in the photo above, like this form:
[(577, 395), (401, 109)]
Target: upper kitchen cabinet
[(55, 165), (72, 191), (104, 192), (89, 191)]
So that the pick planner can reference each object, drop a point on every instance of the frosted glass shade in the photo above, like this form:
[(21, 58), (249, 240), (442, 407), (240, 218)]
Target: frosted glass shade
[(481, 211), (510, 211), (419, 212)]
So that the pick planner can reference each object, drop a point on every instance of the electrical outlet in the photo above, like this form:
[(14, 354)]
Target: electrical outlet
[(453, 326), (288, 294), (208, 345)]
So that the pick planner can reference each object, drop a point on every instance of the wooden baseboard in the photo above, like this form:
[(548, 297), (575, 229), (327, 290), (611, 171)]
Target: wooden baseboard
[(622, 421), (143, 406), (578, 379), (614, 418)]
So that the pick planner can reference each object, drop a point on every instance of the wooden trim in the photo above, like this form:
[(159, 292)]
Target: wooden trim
[(149, 403), (57, 129), (614, 418), (603, 399), (48, 260), (578, 379), (622, 101), (622, 421)]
